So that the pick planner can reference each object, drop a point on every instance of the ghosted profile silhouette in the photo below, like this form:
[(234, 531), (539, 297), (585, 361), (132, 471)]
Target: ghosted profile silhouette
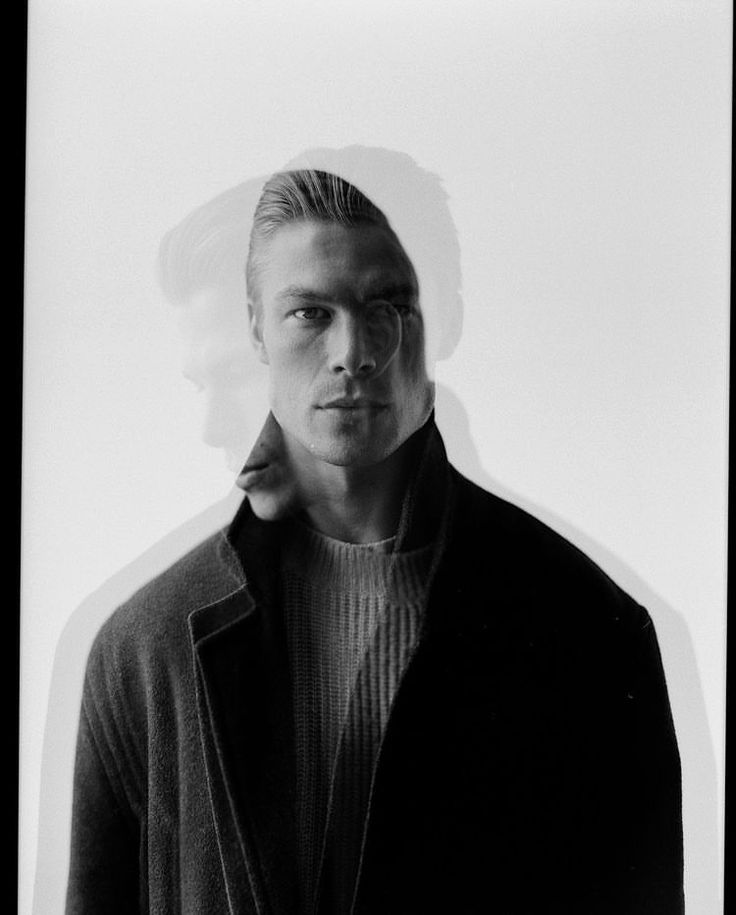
[(201, 270)]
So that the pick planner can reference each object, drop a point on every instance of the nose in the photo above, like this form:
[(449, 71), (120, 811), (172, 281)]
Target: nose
[(363, 345)]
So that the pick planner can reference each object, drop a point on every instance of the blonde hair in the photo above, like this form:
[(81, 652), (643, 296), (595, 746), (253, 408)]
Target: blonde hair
[(305, 194)]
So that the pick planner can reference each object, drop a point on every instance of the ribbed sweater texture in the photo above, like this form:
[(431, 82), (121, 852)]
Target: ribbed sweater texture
[(352, 614)]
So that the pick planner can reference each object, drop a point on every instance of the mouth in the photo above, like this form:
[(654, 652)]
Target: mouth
[(251, 475), (353, 403)]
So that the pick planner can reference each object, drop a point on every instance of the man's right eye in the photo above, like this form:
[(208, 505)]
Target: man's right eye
[(312, 313)]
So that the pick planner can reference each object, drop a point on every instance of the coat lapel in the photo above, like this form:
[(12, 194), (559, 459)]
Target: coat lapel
[(244, 707)]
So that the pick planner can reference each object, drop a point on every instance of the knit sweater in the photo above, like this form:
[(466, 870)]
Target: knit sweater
[(352, 613)]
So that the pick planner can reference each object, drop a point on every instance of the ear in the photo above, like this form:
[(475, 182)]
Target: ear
[(256, 332)]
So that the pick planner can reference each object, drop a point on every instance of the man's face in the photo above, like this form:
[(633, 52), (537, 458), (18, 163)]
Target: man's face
[(338, 324)]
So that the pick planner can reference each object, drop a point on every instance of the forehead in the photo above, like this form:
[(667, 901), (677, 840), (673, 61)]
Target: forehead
[(334, 260)]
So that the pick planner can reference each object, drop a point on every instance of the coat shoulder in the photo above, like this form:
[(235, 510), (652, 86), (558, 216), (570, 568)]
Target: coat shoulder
[(154, 619), (531, 560)]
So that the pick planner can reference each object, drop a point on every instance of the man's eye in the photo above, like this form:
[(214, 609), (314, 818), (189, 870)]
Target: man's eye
[(311, 314), (403, 308), (398, 306)]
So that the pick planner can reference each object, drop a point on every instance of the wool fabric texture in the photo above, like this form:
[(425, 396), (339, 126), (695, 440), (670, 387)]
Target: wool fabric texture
[(353, 614)]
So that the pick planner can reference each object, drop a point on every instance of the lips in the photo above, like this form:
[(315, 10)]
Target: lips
[(353, 403), (251, 475)]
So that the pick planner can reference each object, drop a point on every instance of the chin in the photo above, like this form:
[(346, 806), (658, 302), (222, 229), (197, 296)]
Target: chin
[(356, 451), (273, 506)]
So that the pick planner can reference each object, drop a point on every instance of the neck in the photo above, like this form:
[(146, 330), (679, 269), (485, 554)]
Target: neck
[(352, 504)]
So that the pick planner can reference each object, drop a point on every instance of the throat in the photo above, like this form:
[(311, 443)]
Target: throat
[(354, 504), (357, 521)]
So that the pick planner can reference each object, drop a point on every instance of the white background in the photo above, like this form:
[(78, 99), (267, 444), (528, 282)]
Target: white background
[(585, 147)]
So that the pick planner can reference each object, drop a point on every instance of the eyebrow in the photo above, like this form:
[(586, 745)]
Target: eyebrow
[(304, 295), (371, 292)]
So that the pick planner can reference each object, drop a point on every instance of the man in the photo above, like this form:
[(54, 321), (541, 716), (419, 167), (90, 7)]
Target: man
[(382, 690)]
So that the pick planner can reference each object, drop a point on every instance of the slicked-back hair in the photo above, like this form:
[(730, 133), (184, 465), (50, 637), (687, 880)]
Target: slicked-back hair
[(300, 195)]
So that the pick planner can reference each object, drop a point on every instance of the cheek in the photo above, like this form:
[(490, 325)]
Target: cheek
[(294, 363), (290, 382), (413, 356), (286, 371)]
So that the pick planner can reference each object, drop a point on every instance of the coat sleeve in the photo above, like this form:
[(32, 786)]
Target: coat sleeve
[(105, 841), (646, 806), (653, 804)]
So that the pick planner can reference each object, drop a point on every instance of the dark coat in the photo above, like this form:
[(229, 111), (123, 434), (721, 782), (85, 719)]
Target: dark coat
[(529, 764)]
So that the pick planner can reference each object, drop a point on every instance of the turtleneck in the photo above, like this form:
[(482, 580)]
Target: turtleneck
[(352, 613)]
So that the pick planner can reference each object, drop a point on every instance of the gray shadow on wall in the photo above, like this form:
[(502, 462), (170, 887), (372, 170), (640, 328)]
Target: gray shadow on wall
[(700, 791)]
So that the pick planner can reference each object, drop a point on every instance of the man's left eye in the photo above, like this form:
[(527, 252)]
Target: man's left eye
[(403, 308), (400, 306)]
